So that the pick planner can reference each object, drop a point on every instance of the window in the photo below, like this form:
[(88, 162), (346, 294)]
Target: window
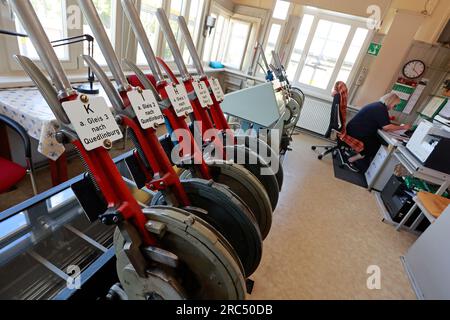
[(194, 24), (106, 11), (228, 43), (52, 16), (191, 10), (352, 54), (322, 57), (237, 43), (151, 26), (299, 45), (272, 41), (327, 48), (276, 27), (214, 45), (281, 10), (176, 9)]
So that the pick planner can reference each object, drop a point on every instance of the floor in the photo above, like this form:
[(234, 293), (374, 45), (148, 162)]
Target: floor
[(325, 234)]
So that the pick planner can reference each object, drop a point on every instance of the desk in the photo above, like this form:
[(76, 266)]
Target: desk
[(396, 153), (416, 168)]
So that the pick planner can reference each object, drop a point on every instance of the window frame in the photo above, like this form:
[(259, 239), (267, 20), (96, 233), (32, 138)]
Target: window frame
[(354, 23), (228, 40), (12, 45), (218, 10), (283, 24), (74, 65)]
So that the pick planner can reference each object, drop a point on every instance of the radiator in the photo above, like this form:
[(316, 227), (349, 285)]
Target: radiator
[(315, 115)]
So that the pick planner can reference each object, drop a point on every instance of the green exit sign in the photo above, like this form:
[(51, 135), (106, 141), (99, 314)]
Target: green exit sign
[(374, 49)]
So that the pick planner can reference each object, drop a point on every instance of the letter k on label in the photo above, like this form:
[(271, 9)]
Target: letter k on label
[(88, 109)]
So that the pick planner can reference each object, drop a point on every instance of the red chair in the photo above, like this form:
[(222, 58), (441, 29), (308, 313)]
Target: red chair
[(12, 173)]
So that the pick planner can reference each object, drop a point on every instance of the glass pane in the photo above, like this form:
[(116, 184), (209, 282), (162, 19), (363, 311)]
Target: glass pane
[(353, 53), (176, 9), (322, 57), (217, 38), (272, 41), (106, 10), (148, 18), (51, 14), (208, 44), (194, 25), (237, 41), (12, 225), (281, 10), (299, 45)]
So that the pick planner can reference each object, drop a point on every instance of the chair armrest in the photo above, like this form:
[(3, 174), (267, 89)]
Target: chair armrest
[(21, 131)]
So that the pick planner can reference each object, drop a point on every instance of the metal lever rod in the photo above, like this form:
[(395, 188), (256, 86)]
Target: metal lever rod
[(146, 83), (30, 22), (45, 87), (276, 60), (139, 31), (263, 56), (191, 46), (107, 85), (170, 37), (93, 19)]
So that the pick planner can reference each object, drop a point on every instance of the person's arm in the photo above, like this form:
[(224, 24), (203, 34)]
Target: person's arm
[(394, 127)]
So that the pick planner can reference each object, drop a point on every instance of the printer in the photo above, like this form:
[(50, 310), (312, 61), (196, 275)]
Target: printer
[(430, 143)]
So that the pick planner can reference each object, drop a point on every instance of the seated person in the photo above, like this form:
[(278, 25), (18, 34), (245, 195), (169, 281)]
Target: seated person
[(368, 120)]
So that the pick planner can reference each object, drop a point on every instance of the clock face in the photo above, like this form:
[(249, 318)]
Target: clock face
[(414, 69)]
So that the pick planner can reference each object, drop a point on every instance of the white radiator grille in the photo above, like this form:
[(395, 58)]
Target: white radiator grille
[(315, 116)]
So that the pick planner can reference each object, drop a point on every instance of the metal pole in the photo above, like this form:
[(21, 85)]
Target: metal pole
[(30, 22), (139, 31), (170, 37), (93, 19), (191, 46), (45, 87), (276, 60)]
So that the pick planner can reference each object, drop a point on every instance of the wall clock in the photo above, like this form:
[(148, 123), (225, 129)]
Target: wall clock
[(414, 69)]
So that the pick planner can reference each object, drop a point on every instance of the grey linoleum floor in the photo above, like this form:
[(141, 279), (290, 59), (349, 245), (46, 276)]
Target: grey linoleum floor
[(325, 234)]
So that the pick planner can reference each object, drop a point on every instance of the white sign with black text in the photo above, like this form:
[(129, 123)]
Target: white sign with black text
[(202, 93), (93, 121), (179, 98), (217, 89), (146, 107)]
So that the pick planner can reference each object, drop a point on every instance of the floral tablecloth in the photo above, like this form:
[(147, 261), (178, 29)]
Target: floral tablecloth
[(28, 107)]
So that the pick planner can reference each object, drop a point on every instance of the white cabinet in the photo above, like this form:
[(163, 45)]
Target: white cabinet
[(381, 169)]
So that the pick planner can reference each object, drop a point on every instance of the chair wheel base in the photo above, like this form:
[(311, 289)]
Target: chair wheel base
[(313, 148), (320, 157)]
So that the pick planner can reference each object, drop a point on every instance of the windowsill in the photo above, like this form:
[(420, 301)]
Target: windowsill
[(18, 81)]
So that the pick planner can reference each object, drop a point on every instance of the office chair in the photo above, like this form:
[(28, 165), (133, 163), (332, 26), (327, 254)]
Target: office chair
[(337, 130), (10, 172)]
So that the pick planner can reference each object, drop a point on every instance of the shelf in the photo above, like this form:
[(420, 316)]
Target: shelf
[(386, 217)]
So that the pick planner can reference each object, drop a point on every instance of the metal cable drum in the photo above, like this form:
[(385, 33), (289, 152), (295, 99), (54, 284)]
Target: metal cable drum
[(225, 212), (209, 268), (246, 186)]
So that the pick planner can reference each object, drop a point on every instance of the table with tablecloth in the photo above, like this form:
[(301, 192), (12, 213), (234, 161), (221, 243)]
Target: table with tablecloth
[(27, 107)]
